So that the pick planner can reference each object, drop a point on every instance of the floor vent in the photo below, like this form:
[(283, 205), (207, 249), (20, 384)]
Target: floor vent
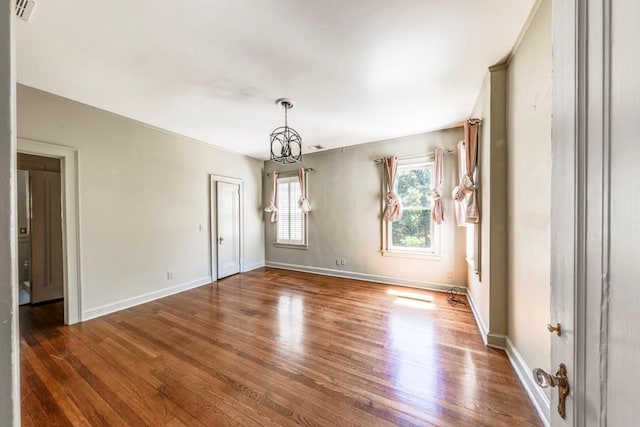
[(24, 9)]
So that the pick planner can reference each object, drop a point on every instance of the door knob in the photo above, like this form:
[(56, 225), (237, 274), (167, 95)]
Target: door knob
[(220, 240), (560, 380), (557, 328)]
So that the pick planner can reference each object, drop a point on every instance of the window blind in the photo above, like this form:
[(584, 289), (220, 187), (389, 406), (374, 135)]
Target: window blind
[(291, 217)]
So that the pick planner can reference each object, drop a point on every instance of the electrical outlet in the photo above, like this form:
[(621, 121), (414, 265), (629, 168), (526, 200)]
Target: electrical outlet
[(343, 261), (200, 227), (337, 261), (169, 275), (450, 275)]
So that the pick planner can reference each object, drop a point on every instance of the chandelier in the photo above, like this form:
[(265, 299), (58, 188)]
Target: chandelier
[(286, 143)]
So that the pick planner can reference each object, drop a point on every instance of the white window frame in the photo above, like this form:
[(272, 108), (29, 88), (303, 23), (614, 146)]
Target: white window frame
[(387, 228), (296, 244)]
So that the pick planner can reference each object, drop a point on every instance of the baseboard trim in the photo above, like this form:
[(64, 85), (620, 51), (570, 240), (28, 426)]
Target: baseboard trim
[(144, 298), (497, 341), (253, 266), (502, 342), (484, 332), (440, 287), (537, 396)]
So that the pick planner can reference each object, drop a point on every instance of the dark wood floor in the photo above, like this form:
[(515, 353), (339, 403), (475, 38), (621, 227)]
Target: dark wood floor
[(269, 347)]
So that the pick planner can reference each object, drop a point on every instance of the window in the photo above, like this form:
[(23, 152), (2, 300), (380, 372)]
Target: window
[(291, 225), (414, 232), (471, 242)]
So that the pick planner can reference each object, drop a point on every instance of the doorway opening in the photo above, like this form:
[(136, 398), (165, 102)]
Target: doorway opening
[(63, 246), (40, 247)]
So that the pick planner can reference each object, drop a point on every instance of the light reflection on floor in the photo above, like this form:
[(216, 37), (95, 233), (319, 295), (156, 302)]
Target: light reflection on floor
[(291, 323), (412, 299), (411, 295), (426, 305), (470, 380), (414, 347)]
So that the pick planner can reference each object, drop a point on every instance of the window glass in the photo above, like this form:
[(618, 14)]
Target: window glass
[(414, 230)]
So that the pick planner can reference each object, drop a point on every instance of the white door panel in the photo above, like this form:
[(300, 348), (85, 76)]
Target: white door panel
[(622, 338), (47, 275), (227, 228)]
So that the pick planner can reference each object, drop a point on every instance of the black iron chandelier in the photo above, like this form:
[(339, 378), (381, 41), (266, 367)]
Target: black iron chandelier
[(286, 143)]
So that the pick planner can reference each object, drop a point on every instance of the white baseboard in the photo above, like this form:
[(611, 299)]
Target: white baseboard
[(253, 266), (484, 332), (490, 339), (440, 287), (537, 396), (141, 299), (497, 341)]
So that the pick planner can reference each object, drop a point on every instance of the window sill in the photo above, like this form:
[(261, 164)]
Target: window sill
[(290, 246), (415, 255)]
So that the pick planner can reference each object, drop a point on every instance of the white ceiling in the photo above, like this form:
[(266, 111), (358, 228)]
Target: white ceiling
[(358, 71)]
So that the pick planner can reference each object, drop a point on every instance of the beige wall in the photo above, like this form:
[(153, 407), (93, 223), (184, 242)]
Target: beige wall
[(488, 290), (479, 287), (529, 118), (511, 295), (345, 193), (498, 204), (143, 194)]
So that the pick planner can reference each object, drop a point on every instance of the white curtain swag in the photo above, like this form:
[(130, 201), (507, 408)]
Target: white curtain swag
[(303, 203), (272, 201)]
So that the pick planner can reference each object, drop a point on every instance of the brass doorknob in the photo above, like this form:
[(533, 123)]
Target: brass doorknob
[(557, 329), (560, 380)]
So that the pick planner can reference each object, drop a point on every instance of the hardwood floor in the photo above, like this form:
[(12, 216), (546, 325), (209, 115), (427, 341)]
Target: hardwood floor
[(270, 347)]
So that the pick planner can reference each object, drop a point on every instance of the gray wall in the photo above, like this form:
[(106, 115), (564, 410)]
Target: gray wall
[(529, 119), (345, 191), (143, 194), (9, 377)]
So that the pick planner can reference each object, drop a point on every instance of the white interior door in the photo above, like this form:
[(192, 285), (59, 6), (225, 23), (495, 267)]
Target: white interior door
[(47, 275), (596, 200), (620, 290), (227, 228)]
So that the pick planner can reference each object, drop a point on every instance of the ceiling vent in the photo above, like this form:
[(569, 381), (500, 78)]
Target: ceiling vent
[(24, 9)]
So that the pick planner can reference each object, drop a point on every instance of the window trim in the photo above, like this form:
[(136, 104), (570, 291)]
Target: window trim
[(470, 244), (305, 218), (433, 253)]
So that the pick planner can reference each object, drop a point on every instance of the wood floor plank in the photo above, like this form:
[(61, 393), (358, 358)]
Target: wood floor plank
[(270, 348), (34, 366)]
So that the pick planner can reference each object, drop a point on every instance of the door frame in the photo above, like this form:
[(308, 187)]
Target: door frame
[(213, 223), (70, 221)]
